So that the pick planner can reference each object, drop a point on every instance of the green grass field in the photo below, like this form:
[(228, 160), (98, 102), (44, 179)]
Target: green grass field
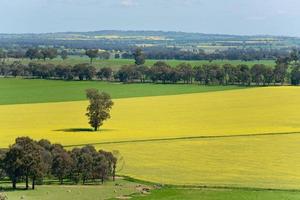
[(109, 190), (129, 189), (117, 63), (219, 194), (19, 91)]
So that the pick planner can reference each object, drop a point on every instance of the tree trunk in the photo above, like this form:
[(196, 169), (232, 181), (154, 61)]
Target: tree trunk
[(114, 172), (14, 184), (96, 128), (27, 182), (33, 183)]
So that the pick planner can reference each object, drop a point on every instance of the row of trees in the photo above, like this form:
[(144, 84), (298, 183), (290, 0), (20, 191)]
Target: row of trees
[(161, 72), (158, 53), (286, 70), (226, 74), (46, 71), (34, 160), (245, 54), (50, 53)]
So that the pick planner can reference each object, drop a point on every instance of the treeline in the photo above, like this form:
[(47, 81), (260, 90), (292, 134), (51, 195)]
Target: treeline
[(161, 72), (157, 53), (205, 74), (245, 54), (29, 160), (51, 53)]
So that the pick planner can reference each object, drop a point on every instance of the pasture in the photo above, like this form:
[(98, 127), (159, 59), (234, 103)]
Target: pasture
[(109, 190), (24, 91), (218, 194)]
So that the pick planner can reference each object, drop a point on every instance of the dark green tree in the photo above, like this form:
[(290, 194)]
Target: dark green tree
[(280, 73), (50, 53), (139, 57), (62, 163), (12, 165), (32, 53), (105, 73), (64, 54), (99, 108), (186, 72), (92, 53), (295, 75), (244, 75)]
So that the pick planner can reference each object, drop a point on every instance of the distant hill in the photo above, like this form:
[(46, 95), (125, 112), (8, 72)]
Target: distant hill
[(124, 40)]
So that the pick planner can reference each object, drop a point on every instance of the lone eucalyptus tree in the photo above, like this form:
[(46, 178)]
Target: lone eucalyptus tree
[(99, 108)]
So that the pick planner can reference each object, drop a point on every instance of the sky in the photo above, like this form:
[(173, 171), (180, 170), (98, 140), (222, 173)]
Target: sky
[(240, 17)]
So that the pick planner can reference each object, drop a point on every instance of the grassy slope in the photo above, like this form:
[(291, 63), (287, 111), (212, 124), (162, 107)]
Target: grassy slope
[(219, 194), (117, 63), (128, 189), (75, 192), (16, 91)]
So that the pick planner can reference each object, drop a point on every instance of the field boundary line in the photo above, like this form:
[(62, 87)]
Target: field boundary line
[(187, 138), (203, 186)]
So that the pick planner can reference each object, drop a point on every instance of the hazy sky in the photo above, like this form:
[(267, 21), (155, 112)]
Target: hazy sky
[(276, 17)]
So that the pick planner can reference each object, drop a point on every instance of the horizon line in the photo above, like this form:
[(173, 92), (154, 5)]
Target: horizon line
[(140, 30)]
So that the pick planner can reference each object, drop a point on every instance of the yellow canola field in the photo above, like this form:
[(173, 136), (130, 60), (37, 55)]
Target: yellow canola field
[(249, 111), (259, 161)]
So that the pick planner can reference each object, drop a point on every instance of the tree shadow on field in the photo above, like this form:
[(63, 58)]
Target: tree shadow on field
[(82, 130)]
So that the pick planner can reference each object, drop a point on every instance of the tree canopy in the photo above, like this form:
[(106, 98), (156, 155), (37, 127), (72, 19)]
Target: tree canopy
[(99, 108)]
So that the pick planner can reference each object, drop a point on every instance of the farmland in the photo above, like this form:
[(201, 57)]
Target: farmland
[(256, 161), (212, 136), (218, 194), (117, 63), (73, 192), (152, 107), (22, 91), (248, 111)]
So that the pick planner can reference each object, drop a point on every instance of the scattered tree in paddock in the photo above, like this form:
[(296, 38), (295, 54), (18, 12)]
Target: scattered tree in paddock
[(64, 54), (104, 55), (92, 53), (50, 53), (31, 53), (99, 109), (139, 57)]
